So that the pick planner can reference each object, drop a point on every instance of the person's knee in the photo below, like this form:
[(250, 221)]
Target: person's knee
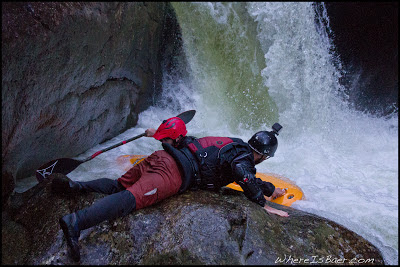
[(128, 203)]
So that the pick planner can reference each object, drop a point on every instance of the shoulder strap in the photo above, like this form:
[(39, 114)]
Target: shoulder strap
[(194, 145), (187, 164)]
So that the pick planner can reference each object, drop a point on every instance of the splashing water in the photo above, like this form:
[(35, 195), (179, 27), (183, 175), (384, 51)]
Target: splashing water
[(345, 161)]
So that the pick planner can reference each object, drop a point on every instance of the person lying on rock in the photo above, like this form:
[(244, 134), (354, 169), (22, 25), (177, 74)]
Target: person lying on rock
[(185, 163)]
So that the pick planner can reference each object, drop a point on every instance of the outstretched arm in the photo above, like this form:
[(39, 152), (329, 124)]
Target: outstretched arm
[(277, 193), (244, 176), (275, 211)]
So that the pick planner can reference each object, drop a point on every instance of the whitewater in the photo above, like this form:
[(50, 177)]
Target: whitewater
[(253, 64)]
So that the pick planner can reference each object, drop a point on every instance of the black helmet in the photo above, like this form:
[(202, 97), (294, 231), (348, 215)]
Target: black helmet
[(264, 142)]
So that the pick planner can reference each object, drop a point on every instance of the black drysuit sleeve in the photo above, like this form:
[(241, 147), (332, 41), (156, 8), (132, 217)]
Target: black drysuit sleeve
[(244, 171)]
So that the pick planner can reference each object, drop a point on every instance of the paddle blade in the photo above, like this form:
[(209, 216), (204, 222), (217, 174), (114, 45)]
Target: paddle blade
[(62, 165), (187, 116)]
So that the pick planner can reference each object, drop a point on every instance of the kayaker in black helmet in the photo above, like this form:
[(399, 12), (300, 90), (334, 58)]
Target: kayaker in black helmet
[(213, 162), (185, 163)]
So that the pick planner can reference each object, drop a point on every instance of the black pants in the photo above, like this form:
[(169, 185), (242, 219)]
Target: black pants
[(120, 202), (103, 185)]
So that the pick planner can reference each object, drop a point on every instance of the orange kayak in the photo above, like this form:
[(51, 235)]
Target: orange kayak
[(293, 192)]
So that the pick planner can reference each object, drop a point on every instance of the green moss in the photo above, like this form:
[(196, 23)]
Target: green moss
[(321, 241)]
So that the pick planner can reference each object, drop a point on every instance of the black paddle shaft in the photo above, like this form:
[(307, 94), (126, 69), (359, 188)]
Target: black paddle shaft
[(66, 165), (113, 146)]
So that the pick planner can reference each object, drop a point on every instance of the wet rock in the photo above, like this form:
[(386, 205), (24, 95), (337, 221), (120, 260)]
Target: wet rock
[(74, 75), (7, 185), (197, 227)]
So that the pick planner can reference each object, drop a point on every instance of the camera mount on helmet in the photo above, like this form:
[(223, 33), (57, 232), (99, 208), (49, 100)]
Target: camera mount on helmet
[(276, 128)]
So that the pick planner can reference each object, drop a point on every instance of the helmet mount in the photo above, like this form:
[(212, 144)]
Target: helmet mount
[(276, 128)]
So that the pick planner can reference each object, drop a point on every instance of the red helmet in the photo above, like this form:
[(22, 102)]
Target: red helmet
[(172, 128)]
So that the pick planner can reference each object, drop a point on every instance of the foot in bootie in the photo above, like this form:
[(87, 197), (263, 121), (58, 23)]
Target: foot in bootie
[(71, 231), (62, 184)]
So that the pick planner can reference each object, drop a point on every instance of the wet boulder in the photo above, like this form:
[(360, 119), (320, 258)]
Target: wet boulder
[(197, 227)]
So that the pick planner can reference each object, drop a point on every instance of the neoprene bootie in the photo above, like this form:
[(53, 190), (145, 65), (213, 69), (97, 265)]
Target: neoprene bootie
[(107, 208), (69, 225), (62, 184)]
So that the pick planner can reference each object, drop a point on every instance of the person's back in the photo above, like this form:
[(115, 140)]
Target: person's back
[(215, 156)]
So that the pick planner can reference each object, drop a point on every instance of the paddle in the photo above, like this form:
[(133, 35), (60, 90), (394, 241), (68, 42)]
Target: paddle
[(66, 165)]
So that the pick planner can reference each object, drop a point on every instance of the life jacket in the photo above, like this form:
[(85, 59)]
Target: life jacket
[(203, 161), (209, 153)]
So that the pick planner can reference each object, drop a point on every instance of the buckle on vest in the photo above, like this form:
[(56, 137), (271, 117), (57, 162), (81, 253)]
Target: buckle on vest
[(203, 155)]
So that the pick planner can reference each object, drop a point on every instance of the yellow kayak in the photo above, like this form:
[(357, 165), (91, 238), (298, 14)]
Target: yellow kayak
[(293, 192)]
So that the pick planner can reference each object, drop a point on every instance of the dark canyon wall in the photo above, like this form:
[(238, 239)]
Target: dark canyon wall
[(74, 74), (365, 35)]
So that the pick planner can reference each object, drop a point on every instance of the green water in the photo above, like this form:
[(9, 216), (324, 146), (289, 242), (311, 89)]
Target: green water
[(214, 35)]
